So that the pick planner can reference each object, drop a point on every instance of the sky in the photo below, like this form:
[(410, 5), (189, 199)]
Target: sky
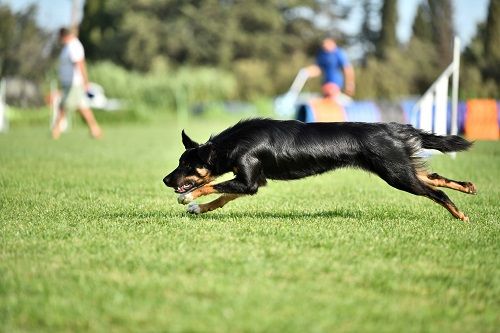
[(52, 14)]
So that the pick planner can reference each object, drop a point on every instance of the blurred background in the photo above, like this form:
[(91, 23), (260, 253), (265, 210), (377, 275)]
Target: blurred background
[(196, 57)]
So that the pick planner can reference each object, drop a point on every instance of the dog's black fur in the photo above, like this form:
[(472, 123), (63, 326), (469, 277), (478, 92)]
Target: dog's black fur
[(260, 149)]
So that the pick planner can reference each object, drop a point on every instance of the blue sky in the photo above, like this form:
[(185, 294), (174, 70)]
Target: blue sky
[(53, 14)]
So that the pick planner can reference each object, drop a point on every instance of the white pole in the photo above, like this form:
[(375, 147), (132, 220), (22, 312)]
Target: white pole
[(299, 81), (441, 106), (454, 91)]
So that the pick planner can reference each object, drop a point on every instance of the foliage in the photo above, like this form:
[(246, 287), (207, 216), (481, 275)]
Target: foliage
[(481, 59), (491, 43), (369, 33), (232, 35), (421, 27), (202, 32), (163, 89), (388, 79), (442, 29), (387, 39), (25, 49), (91, 240), (493, 31), (254, 47), (394, 71)]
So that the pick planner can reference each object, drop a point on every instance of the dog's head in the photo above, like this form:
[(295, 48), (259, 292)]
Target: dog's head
[(194, 168)]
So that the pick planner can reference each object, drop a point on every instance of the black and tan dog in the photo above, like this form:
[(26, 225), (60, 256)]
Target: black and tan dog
[(259, 149)]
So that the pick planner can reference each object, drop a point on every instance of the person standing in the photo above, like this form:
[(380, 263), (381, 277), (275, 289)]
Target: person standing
[(75, 84), (338, 74)]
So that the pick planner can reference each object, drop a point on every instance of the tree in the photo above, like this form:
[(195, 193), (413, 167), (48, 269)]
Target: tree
[(491, 42), (492, 32), (228, 34), (421, 50), (368, 34), (214, 32), (387, 38), (422, 24), (25, 49), (99, 22), (442, 29)]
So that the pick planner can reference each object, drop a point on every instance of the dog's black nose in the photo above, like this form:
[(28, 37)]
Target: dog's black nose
[(166, 180)]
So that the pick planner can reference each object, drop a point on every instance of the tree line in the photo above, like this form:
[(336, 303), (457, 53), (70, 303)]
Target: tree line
[(263, 43)]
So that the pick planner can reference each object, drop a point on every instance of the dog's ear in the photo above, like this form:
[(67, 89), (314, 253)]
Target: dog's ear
[(206, 152), (187, 142)]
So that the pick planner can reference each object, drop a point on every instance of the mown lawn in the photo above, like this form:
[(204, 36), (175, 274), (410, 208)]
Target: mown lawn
[(91, 240)]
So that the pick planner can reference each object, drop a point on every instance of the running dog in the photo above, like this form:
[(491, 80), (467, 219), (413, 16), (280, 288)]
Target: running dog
[(259, 149)]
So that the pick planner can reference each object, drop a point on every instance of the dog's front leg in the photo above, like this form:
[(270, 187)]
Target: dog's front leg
[(231, 190), (246, 182), (233, 186), (188, 197), (221, 201)]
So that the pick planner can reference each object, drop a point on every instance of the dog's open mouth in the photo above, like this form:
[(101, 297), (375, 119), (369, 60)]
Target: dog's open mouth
[(187, 188)]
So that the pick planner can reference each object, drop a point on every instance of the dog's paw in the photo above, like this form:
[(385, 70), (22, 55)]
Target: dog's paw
[(193, 208), (471, 188), (463, 217), (184, 199)]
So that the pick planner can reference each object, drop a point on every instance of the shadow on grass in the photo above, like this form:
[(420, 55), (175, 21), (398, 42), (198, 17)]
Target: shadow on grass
[(248, 214), (291, 215)]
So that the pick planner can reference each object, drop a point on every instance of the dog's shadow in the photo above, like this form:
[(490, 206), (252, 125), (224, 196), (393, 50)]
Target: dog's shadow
[(248, 214), (289, 215)]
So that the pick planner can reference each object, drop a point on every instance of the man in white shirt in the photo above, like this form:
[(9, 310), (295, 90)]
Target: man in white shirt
[(75, 84)]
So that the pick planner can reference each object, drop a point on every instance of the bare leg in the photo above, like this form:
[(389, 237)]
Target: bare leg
[(89, 118), (56, 129)]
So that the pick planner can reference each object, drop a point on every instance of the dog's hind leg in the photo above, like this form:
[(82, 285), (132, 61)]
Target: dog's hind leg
[(195, 208), (441, 198), (405, 179), (436, 180)]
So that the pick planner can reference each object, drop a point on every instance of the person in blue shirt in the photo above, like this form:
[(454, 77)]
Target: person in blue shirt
[(338, 74)]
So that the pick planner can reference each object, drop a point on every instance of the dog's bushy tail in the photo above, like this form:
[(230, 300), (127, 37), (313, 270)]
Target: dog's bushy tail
[(445, 144)]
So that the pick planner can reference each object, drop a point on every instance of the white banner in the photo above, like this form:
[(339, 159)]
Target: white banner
[(426, 104)]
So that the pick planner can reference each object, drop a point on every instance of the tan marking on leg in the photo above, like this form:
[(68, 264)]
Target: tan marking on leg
[(204, 190), (455, 211), (425, 180), (436, 180), (218, 203), (450, 206)]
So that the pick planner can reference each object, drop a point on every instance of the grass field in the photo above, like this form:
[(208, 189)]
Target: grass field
[(91, 240)]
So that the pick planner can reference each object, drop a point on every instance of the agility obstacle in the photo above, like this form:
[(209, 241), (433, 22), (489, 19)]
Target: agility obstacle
[(434, 111)]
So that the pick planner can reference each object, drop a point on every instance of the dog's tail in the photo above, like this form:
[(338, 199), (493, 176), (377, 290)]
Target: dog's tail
[(445, 144)]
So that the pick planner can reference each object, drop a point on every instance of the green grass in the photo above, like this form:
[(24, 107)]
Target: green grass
[(91, 240)]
